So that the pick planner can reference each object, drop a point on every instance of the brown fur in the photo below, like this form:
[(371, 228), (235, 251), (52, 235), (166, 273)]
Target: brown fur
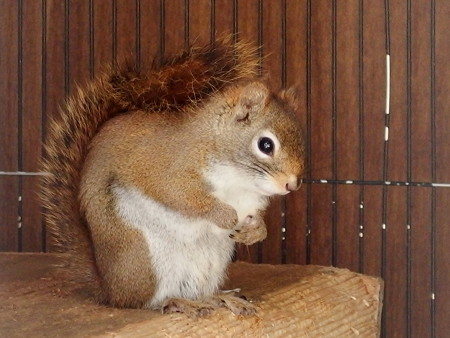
[(164, 155), (158, 131), (176, 84)]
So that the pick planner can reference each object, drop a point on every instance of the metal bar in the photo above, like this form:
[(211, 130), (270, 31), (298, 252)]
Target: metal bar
[(22, 173), (377, 183)]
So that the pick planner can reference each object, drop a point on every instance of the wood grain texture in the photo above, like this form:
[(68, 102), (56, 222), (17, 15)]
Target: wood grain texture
[(374, 83), (77, 47), (372, 227), (150, 32), (395, 263), (420, 92), (126, 32), (200, 21), (321, 146), (55, 59), (31, 116), (441, 228), (441, 266), (102, 35), (9, 128), (346, 138), (223, 17), (175, 26), (421, 253), (9, 239), (442, 74)]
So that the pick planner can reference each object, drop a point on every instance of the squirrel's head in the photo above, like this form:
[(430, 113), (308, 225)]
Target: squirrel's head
[(260, 137)]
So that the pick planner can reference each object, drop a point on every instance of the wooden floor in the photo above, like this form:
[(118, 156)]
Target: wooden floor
[(292, 300)]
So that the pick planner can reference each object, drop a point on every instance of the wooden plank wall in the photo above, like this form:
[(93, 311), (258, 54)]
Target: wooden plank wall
[(335, 53)]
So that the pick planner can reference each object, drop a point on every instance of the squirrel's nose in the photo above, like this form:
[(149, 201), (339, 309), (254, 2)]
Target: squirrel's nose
[(293, 184)]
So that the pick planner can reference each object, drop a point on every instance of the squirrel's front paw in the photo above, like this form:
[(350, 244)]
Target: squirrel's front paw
[(251, 230)]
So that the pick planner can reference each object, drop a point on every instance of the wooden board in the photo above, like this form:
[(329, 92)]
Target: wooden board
[(291, 299)]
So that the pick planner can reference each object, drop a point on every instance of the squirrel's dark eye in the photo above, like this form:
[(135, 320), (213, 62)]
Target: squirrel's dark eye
[(266, 145)]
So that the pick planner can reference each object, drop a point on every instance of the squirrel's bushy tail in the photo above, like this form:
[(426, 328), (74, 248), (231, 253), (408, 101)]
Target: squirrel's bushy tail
[(172, 85)]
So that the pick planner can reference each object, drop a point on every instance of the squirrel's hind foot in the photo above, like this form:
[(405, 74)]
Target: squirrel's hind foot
[(192, 308), (205, 307), (235, 304)]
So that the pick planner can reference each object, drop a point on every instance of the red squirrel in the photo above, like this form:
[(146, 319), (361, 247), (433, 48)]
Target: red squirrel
[(154, 176)]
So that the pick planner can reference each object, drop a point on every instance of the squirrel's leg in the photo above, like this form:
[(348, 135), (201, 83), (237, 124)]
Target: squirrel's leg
[(251, 230), (121, 254)]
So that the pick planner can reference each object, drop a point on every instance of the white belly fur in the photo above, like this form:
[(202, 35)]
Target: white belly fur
[(189, 257)]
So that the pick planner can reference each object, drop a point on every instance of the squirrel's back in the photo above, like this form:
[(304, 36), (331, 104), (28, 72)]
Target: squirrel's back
[(174, 84)]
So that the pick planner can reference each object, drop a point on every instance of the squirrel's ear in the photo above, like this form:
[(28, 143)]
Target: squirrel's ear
[(290, 96), (253, 97)]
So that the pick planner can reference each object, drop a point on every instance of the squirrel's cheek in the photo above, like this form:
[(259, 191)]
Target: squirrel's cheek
[(270, 187)]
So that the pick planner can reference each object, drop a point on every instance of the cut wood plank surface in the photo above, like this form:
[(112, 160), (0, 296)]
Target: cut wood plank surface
[(292, 300)]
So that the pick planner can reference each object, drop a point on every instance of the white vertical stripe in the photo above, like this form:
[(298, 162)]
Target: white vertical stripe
[(388, 83)]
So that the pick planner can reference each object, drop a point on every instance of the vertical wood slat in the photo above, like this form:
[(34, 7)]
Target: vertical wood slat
[(175, 33), (347, 133), (200, 22), (31, 116), (9, 187), (395, 263), (440, 264), (421, 169), (373, 82), (321, 130), (54, 71), (78, 53), (223, 17), (150, 32), (102, 35), (126, 30), (420, 316)]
